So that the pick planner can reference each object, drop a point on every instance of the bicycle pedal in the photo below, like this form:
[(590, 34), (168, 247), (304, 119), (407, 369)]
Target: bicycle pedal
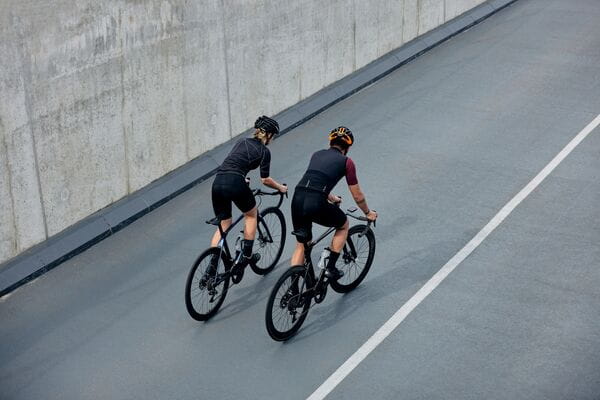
[(237, 273), (334, 274), (237, 278), (254, 259)]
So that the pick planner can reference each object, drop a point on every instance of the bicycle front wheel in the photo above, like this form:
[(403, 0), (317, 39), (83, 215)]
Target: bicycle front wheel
[(356, 258), (270, 240), (206, 288), (288, 304)]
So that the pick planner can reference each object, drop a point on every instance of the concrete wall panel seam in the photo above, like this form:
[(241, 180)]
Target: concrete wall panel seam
[(123, 120), (20, 217), (26, 66), (10, 215), (184, 96), (226, 63)]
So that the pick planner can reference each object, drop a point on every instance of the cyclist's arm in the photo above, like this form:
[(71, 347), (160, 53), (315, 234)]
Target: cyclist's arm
[(265, 167), (332, 198), (355, 191), (272, 183), (359, 198)]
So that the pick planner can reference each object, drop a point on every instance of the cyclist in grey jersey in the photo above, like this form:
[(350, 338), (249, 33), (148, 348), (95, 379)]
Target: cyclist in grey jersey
[(230, 185), (246, 155)]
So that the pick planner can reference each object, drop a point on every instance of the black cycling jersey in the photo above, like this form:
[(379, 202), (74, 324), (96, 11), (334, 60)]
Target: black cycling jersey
[(309, 203), (246, 155), (325, 170)]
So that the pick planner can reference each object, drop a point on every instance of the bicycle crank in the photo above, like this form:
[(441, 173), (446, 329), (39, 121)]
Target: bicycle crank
[(320, 293)]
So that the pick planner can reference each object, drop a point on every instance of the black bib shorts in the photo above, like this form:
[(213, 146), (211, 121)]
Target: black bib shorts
[(309, 206), (228, 188)]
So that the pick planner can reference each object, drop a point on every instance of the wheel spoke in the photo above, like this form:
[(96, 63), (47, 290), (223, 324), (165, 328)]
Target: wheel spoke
[(354, 266), (270, 240), (282, 318), (206, 291)]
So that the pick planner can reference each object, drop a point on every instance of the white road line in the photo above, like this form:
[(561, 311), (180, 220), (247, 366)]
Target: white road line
[(344, 370)]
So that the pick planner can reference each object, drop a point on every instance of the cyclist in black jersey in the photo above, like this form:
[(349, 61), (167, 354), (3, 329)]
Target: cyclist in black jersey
[(230, 183), (313, 201)]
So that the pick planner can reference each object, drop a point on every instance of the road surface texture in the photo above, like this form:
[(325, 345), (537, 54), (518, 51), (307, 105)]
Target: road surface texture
[(442, 145)]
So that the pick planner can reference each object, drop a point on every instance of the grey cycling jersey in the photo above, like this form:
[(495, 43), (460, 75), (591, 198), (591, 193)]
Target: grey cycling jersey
[(246, 155)]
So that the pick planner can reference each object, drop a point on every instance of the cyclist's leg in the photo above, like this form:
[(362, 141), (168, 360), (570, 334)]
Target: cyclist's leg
[(301, 223), (221, 201), (298, 255), (225, 224), (250, 221), (339, 238), (244, 200), (333, 216)]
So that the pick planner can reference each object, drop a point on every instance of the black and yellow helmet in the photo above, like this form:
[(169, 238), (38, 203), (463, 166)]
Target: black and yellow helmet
[(341, 135)]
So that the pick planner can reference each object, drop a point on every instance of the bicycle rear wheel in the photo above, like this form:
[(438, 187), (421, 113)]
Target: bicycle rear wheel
[(288, 305), (269, 240), (205, 290), (356, 258)]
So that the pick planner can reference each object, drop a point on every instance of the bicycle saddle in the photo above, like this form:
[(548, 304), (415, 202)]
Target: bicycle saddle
[(215, 221)]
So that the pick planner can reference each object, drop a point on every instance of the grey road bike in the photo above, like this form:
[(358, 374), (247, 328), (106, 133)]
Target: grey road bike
[(291, 298), (206, 288)]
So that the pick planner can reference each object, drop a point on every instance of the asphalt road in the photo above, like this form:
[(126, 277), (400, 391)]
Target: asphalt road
[(443, 143)]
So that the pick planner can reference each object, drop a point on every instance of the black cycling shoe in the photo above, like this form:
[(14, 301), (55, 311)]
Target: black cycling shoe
[(254, 259), (333, 273), (237, 271)]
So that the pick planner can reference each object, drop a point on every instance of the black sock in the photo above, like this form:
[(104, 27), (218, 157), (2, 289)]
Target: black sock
[(333, 257), (247, 248)]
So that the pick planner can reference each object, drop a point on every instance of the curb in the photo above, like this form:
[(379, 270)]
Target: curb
[(98, 226)]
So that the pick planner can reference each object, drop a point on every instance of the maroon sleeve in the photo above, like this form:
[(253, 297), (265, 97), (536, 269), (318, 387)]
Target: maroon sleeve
[(351, 172)]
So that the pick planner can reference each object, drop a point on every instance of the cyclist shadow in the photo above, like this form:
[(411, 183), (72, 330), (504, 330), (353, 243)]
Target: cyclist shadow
[(248, 296), (369, 291)]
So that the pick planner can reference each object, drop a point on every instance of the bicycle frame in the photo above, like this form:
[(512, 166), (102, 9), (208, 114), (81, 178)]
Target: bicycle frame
[(223, 241), (310, 277)]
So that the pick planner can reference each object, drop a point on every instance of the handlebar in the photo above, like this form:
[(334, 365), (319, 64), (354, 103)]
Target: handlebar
[(350, 212), (259, 192)]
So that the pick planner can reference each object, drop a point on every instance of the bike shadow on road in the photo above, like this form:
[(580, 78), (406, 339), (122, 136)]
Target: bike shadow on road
[(403, 276), (248, 296)]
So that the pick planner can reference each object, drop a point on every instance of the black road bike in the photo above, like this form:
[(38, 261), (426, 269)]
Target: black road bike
[(206, 288), (292, 296)]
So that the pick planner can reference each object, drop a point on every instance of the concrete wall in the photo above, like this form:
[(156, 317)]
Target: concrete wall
[(97, 99)]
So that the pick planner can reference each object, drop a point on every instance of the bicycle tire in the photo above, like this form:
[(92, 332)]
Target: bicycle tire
[(269, 253), (353, 274), (297, 272), (194, 290)]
